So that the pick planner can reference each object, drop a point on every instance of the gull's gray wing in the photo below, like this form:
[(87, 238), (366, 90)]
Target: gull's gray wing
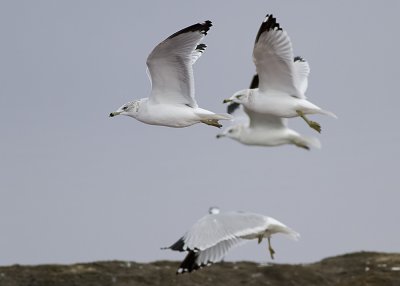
[(211, 237), (302, 70), (212, 229), (273, 57), (170, 65)]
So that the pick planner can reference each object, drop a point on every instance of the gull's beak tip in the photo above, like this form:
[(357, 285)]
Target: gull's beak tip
[(115, 113)]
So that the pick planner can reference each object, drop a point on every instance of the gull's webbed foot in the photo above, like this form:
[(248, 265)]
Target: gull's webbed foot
[(271, 250), (212, 122), (314, 125)]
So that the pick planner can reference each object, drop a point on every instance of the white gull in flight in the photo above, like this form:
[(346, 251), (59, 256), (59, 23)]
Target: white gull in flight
[(283, 82), (211, 237), (171, 102), (265, 129)]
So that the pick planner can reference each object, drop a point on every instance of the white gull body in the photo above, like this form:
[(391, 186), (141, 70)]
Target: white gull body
[(283, 81), (211, 237), (265, 129), (171, 102)]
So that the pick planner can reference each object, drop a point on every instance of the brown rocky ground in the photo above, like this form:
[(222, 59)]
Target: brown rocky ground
[(362, 268)]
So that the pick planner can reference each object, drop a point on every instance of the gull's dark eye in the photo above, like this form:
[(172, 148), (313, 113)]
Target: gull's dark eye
[(230, 131), (125, 108)]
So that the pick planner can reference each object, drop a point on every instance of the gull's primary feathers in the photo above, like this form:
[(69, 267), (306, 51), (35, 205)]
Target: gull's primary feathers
[(211, 237), (265, 129), (283, 81), (171, 102)]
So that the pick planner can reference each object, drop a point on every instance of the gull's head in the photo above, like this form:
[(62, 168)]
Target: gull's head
[(231, 132), (213, 210), (129, 109), (240, 97)]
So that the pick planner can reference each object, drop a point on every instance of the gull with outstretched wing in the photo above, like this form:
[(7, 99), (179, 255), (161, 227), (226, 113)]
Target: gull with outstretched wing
[(170, 67), (264, 129), (212, 236), (282, 80)]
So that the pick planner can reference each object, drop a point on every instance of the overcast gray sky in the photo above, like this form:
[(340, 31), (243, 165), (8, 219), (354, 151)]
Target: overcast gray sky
[(78, 186)]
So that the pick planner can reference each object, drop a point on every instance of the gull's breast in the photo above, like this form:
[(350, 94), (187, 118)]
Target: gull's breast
[(168, 115)]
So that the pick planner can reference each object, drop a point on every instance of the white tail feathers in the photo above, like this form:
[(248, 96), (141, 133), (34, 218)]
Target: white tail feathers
[(311, 142), (307, 142), (214, 116), (290, 232), (278, 227), (224, 116), (329, 113)]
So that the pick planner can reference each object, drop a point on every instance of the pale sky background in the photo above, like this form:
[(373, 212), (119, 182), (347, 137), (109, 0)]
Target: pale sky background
[(79, 186)]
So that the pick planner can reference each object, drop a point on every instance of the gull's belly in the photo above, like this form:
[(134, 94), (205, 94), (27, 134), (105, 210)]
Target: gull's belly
[(282, 106), (168, 115), (263, 233), (260, 137)]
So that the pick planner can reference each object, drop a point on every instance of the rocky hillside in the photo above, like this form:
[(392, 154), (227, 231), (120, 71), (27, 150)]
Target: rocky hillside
[(363, 268)]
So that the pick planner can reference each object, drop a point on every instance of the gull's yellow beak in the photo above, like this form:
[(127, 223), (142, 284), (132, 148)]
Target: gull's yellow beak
[(228, 100), (115, 113)]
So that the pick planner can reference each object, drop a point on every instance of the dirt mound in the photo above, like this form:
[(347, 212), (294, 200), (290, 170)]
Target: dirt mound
[(362, 268)]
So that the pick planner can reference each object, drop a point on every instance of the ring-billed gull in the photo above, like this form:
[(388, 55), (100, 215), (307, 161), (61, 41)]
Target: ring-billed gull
[(211, 237), (171, 102), (265, 129), (283, 82)]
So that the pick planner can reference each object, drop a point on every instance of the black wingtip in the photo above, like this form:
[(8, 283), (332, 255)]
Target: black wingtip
[(178, 246), (232, 107), (268, 25), (201, 47), (199, 27), (189, 263), (254, 82), (299, 59)]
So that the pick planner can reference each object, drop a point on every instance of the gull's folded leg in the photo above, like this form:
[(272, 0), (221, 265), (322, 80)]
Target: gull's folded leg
[(314, 125)]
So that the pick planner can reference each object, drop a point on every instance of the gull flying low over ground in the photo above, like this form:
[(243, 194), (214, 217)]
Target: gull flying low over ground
[(171, 102), (211, 237), (265, 129), (283, 82)]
